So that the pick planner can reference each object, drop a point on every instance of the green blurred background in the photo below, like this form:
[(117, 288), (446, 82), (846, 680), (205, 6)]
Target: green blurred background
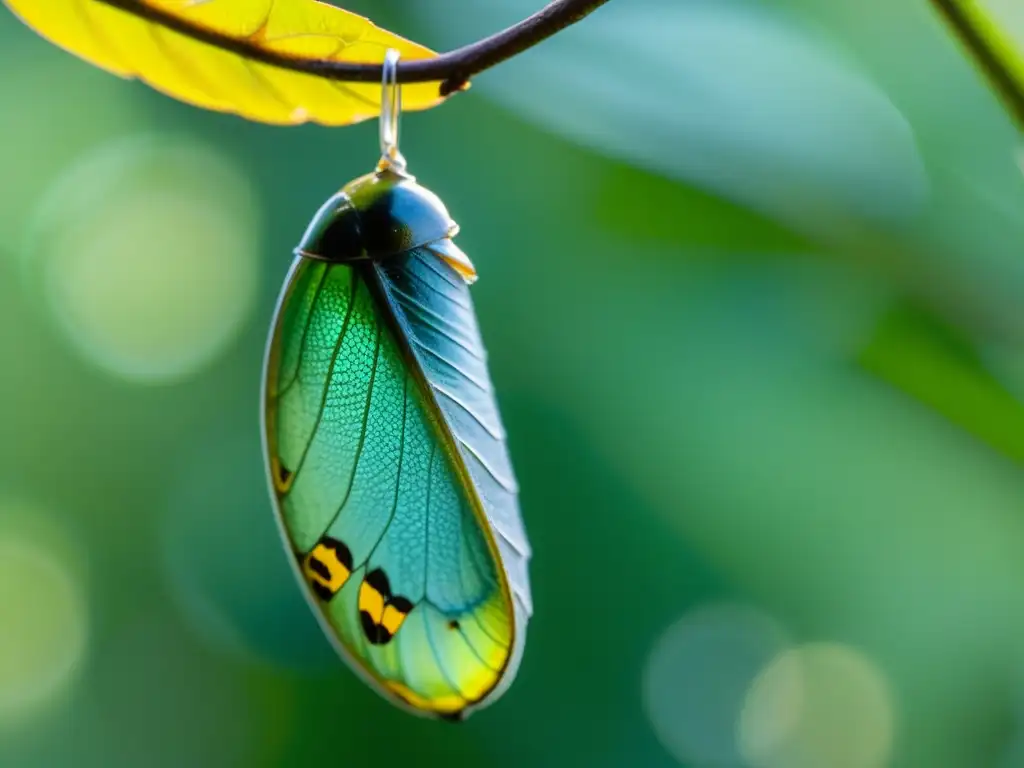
[(751, 279)]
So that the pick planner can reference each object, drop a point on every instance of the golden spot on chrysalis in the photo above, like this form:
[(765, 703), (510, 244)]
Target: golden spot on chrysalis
[(380, 612), (282, 476), (448, 706), (327, 567)]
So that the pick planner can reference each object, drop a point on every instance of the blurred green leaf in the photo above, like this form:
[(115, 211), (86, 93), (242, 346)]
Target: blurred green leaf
[(650, 209), (736, 99), (934, 363)]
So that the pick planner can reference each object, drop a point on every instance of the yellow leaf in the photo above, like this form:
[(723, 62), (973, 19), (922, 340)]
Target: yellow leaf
[(993, 31), (208, 75)]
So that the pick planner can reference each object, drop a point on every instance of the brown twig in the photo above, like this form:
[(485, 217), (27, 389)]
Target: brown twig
[(452, 69)]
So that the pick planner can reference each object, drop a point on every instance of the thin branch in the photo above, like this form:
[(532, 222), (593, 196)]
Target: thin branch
[(999, 75), (452, 69)]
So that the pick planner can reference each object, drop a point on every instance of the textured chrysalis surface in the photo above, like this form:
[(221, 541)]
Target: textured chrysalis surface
[(387, 455)]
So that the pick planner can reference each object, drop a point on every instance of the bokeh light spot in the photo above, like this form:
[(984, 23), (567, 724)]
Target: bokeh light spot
[(146, 253), (44, 625), (818, 705), (697, 675)]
